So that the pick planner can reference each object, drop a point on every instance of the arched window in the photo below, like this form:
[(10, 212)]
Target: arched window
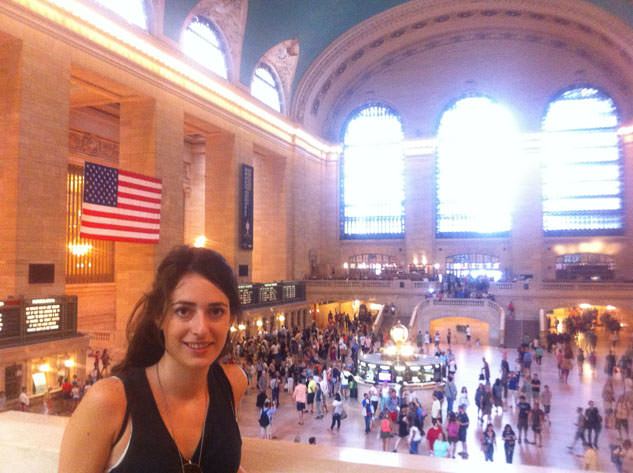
[(581, 165), (476, 153), (133, 11), (201, 42), (265, 87), (372, 193)]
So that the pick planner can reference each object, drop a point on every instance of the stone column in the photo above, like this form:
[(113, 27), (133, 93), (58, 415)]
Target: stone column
[(34, 114), (624, 261), (151, 143), (528, 253), (221, 196), (419, 206)]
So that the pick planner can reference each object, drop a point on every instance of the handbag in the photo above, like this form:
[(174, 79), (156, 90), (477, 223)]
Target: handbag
[(343, 414)]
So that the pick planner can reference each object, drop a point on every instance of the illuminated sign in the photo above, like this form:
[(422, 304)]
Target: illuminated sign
[(43, 318), (9, 320), (268, 293)]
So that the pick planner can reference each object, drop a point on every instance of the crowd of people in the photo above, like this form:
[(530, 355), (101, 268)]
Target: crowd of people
[(316, 368)]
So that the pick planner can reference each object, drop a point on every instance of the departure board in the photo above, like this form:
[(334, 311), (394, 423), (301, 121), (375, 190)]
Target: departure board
[(268, 293), (289, 292), (43, 315), (9, 319), (246, 294)]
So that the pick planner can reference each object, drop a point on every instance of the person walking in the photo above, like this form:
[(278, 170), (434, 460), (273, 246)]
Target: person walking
[(580, 428), (524, 413), (450, 392), (385, 431), (509, 439), (622, 416), (546, 400), (368, 412), (452, 431), (462, 399), (415, 437), (593, 424), (300, 396), (463, 421), (403, 427), (266, 419), (489, 442), (337, 412)]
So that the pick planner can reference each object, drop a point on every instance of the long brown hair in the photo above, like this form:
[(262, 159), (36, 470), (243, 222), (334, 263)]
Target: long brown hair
[(146, 343)]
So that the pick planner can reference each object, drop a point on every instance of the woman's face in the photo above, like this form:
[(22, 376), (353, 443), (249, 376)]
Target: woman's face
[(196, 323)]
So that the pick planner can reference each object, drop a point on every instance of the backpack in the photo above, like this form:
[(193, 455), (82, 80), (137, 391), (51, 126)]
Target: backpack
[(264, 420)]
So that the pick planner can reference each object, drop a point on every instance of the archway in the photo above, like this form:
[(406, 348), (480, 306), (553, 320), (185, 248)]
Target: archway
[(484, 315), (479, 330)]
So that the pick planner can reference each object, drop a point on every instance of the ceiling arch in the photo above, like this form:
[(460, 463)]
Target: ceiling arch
[(429, 50)]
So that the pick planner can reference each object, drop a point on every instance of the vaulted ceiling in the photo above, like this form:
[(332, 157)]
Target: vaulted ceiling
[(420, 55)]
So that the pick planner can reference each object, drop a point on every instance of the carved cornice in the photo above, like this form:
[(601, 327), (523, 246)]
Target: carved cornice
[(93, 146), (283, 58), (230, 17)]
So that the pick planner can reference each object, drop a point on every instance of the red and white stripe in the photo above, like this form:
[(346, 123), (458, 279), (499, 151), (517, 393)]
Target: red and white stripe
[(136, 217)]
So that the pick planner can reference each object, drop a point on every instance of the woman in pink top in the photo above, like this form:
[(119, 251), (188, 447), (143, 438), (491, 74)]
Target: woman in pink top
[(300, 396)]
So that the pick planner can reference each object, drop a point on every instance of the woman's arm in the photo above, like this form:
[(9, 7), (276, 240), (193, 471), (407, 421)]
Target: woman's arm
[(92, 429), (238, 381)]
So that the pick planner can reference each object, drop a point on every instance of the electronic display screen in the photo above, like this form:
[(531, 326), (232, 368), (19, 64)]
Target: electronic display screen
[(43, 315), (9, 320), (384, 376)]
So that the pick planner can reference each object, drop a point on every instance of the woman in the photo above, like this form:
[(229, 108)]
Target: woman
[(509, 439), (385, 431), (441, 446), (497, 395), (580, 359), (462, 399), (452, 429), (415, 437), (266, 419), (172, 406), (337, 411), (403, 427), (488, 442)]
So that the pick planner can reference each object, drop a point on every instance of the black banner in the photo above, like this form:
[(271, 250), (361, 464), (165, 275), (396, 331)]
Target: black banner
[(246, 208)]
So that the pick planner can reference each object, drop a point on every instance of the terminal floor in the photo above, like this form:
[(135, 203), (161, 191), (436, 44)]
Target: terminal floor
[(553, 453), (556, 438)]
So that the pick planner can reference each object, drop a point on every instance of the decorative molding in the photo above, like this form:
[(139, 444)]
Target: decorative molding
[(283, 58), (230, 18), (93, 146)]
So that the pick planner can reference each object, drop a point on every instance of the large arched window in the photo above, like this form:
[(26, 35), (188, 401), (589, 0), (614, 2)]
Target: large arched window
[(581, 165), (134, 11), (202, 42), (372, 194), (265, 87), (476, 153)]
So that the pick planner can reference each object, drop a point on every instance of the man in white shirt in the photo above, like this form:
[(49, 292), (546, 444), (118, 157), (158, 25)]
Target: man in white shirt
[(436, 409), (25, 403)]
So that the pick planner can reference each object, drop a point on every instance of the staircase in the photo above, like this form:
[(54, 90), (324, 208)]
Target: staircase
[(518, 331)]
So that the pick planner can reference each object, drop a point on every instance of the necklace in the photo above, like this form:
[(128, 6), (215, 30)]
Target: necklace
[(188, 466)]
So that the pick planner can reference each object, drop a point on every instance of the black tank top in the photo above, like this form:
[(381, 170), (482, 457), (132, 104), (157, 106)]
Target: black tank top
[(151, 448)]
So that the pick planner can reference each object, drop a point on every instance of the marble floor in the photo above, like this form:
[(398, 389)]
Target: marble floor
[(554, 452)]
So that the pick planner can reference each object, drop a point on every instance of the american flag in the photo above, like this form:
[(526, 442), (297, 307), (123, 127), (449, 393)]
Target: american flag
[(120, 205)]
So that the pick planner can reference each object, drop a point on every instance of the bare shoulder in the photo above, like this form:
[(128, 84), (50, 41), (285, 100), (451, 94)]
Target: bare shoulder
[(93, 427), (107, 393), (237, 378)]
